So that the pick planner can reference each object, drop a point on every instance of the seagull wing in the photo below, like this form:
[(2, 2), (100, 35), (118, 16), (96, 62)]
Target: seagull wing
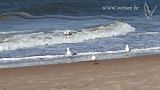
[(154, 9), (146, 8)]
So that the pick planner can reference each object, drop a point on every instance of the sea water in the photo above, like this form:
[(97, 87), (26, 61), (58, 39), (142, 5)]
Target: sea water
[(32, 32)]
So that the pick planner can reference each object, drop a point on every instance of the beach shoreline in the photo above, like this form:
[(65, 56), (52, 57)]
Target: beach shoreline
[(133, 73)]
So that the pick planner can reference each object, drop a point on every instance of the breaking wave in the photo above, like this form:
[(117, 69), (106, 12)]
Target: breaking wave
[(27, 40)]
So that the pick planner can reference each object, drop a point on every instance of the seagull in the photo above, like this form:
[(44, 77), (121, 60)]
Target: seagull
[(148, 13), (68, 33), (127, 49), (93, 58), (69, 53)]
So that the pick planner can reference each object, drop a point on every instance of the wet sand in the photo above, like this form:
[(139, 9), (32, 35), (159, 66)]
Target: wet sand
[(136, 73)]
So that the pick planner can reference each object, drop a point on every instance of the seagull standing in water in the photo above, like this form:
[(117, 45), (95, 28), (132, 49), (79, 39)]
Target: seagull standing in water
[(148, 13), (69, 53), (93, 58), (127, 49)]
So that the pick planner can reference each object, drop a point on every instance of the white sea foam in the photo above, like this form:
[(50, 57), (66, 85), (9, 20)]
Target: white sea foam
[(32, 57), (18, 41), (16, 32), (151, 49), (151, 33)]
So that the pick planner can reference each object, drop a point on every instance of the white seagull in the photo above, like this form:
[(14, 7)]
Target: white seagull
[(127, 49), (148, 13), (69, 53), (68, 33), (93, 58)]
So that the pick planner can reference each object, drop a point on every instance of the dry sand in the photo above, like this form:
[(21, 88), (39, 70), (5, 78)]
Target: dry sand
[(136, 73)]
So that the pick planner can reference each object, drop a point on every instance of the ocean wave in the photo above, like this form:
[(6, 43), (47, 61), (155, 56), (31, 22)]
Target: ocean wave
[(29, 16), (16, 32), (72, 7), (18, 41)]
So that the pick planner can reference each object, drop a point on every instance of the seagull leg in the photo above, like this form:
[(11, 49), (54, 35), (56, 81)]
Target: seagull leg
[(70, 58), (93, 60), (127, 54)]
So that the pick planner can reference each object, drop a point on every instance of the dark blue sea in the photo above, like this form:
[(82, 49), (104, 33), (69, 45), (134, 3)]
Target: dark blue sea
[(74, 7)]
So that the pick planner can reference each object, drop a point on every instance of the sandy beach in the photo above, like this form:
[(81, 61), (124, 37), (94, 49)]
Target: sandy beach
[(136, 73)]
